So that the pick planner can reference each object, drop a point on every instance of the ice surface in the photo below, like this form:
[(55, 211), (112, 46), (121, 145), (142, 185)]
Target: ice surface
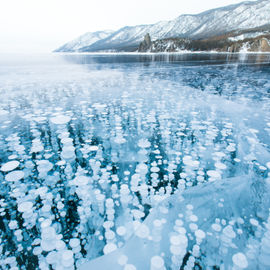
[(135, 164), (233, 206)]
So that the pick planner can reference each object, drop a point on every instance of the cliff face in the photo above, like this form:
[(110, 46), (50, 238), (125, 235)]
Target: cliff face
[(146, 44), (265, 45)]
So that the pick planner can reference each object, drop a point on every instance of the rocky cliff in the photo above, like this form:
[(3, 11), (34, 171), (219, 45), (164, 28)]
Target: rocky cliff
[(146, 44)]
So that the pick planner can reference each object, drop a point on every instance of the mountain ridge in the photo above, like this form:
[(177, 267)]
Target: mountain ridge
[(210, 23), (85, 39)]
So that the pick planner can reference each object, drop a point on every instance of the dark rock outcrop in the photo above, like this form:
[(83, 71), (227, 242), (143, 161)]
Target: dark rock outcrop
[(145, 45), (265, 45)]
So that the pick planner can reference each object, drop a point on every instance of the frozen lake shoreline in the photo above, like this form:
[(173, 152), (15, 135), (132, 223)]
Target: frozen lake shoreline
[(160, 53)]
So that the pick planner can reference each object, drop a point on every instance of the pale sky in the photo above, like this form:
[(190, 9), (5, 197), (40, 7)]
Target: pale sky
[(44, 25)]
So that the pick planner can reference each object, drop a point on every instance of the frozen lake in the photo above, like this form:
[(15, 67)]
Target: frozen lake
[(154, 161)]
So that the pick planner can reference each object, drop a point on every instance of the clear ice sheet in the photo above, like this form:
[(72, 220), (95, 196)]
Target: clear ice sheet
[(135, 162)]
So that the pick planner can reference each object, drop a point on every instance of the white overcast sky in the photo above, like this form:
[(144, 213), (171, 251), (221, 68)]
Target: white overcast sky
[(43, 25)]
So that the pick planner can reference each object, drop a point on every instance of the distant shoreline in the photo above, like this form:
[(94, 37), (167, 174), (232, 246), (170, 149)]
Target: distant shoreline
[(155, 53)]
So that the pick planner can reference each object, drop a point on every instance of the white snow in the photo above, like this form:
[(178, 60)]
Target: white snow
[(247, 36)]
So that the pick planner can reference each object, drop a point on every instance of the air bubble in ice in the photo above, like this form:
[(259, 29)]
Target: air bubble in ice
[(240, 260), (60, 119), (216, 227), (129, 267), (13, 224), (176, 240), (142, 231), (10, 166), (74, 242), (14, 176), (44, 166), (193, 218), (157, 263), (93, 147), (109, 235), (67, 258), (123, 259), (144, 143), (81, 180), (200, 234), (60, 245), (214, 174), (254, 222), (121, 230), (110, 247), (25, 206), (220, 166)]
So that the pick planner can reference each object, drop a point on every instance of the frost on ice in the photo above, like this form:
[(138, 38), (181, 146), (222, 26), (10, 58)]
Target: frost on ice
[(135, 167)]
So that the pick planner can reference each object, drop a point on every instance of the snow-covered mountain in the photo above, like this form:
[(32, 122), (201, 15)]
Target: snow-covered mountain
[(84, 40), (213, 22)]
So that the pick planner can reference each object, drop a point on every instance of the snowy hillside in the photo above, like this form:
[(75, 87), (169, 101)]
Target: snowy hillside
[(84, 40), (213, 22)]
